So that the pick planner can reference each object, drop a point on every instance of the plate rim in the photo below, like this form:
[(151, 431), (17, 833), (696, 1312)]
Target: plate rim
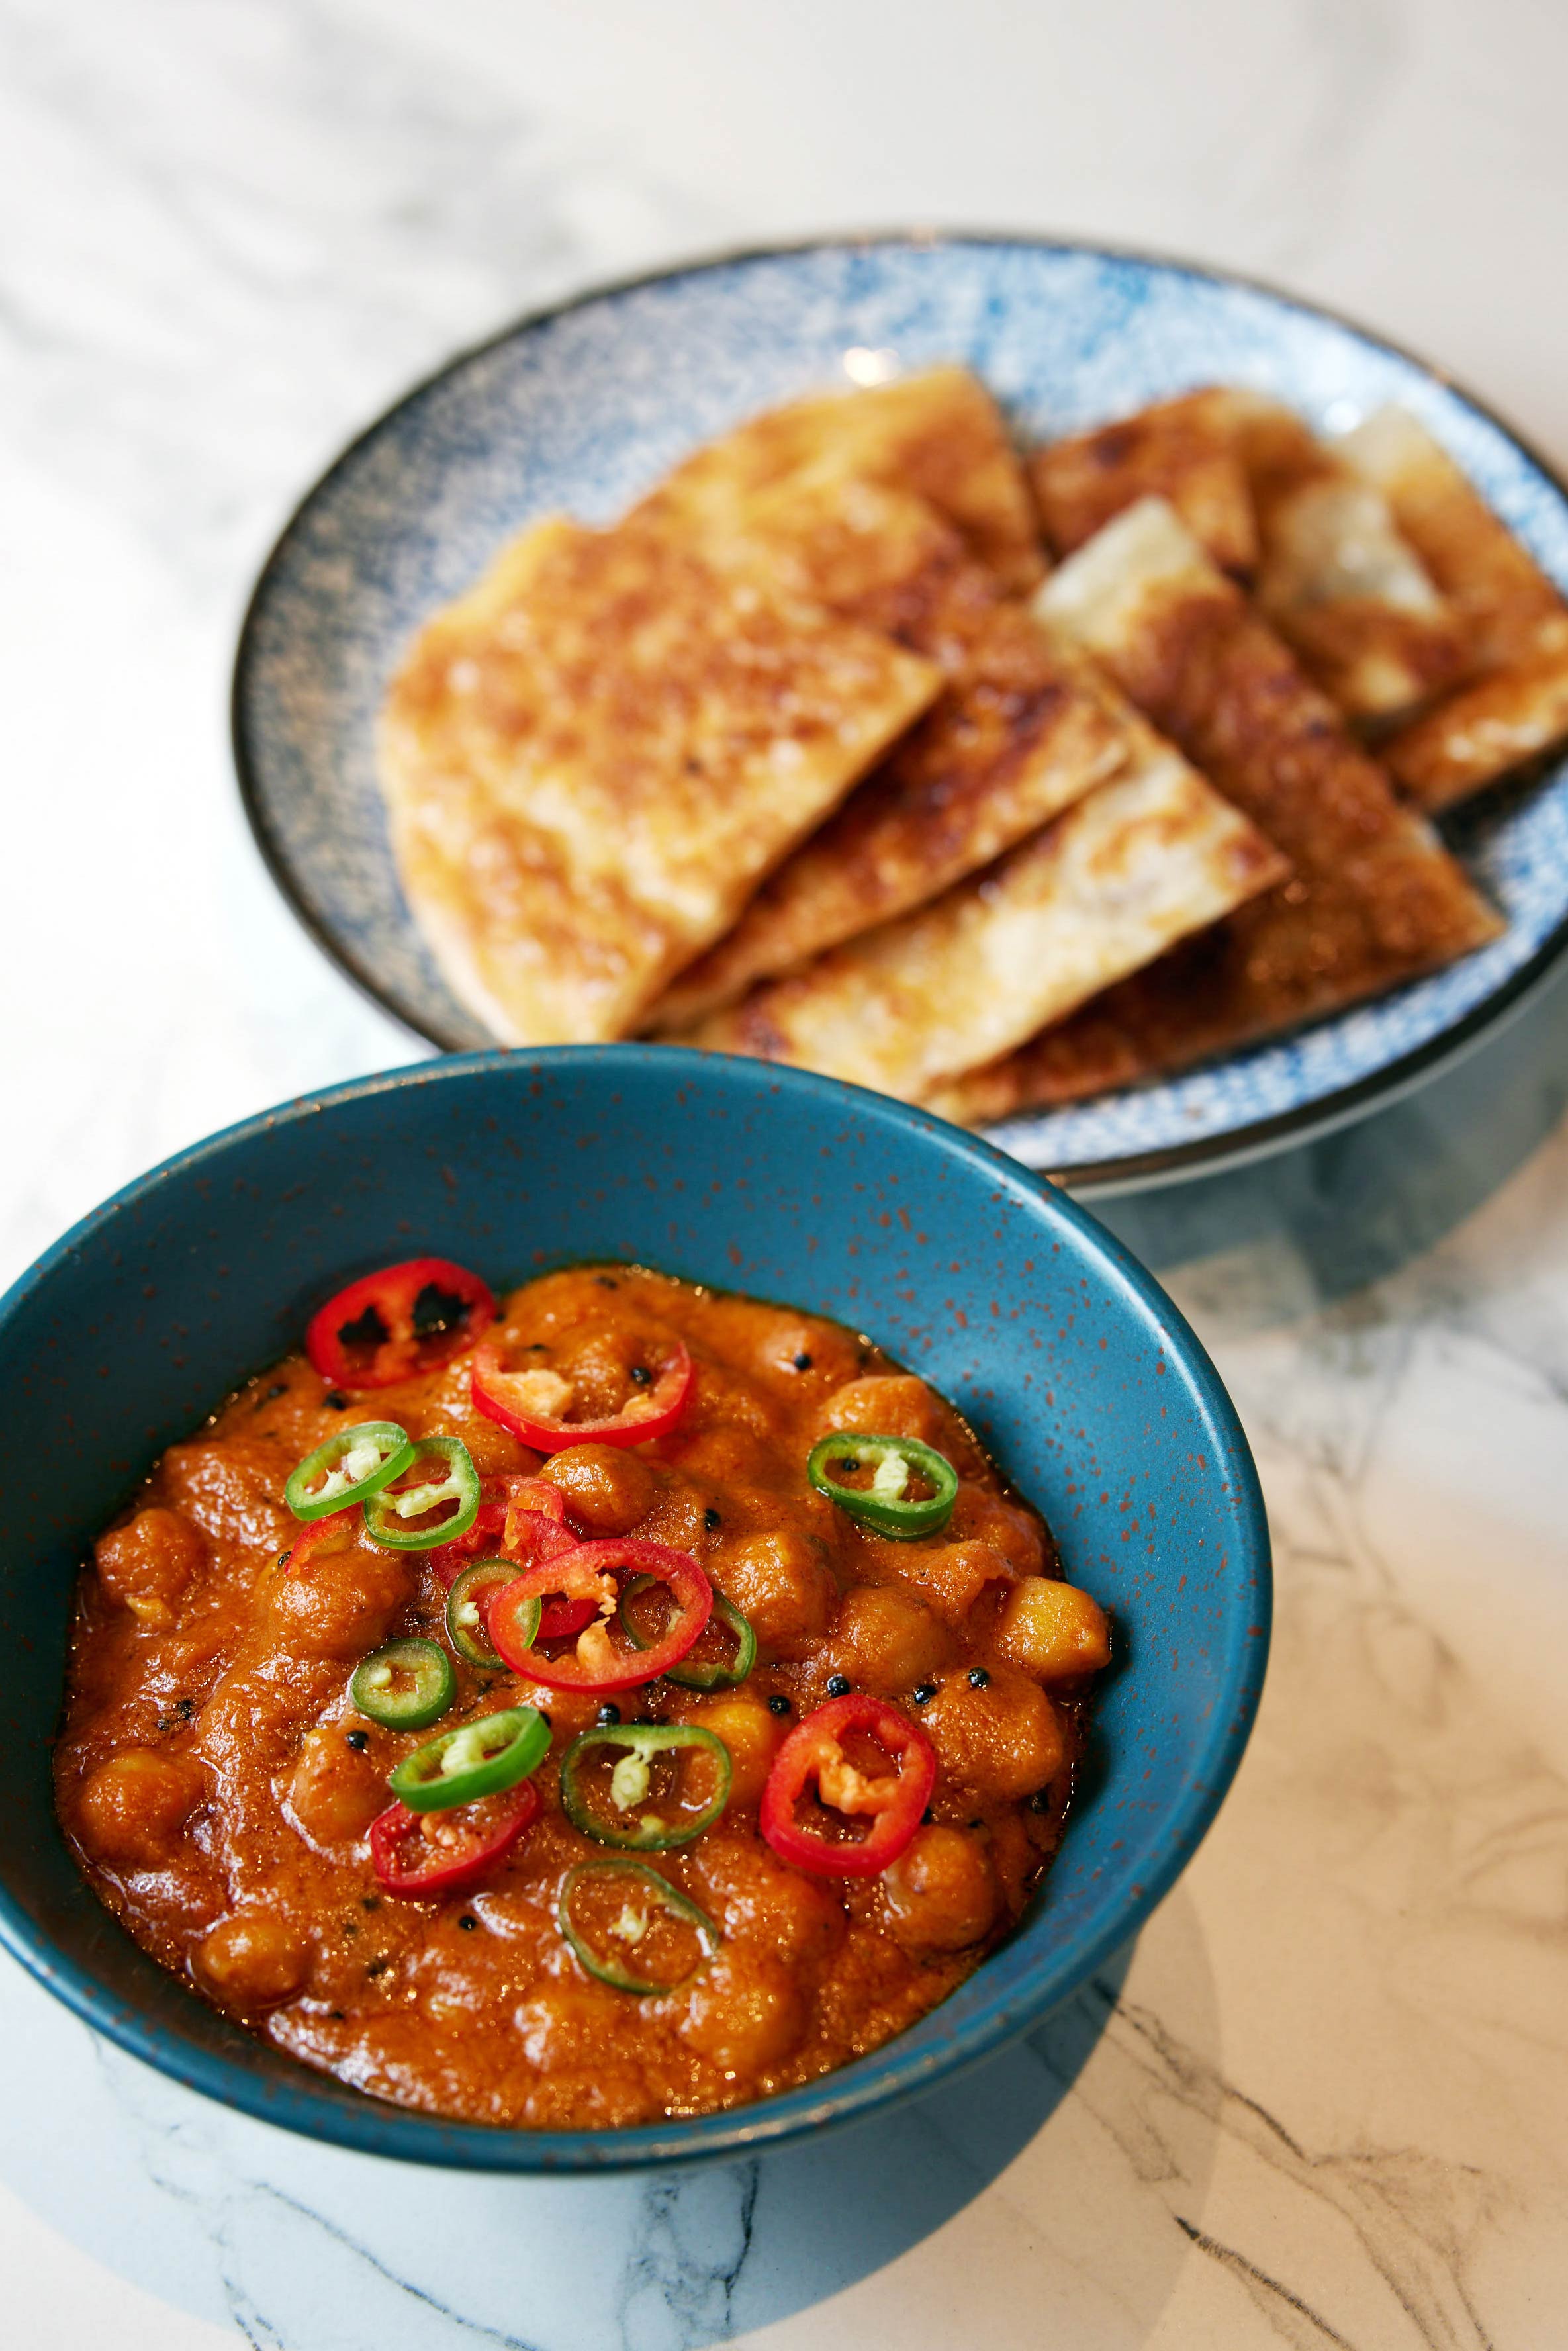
[(1126, 1172)]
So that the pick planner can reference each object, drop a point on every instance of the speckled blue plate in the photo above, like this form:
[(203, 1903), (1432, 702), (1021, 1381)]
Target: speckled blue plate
[(583, 408), (1075, 1367)]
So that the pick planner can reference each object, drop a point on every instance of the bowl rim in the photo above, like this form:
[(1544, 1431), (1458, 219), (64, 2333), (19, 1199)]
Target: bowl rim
[(1131, 1171), (314, 2106)]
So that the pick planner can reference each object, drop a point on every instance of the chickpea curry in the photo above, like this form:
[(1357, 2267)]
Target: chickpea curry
[(615, 1701)]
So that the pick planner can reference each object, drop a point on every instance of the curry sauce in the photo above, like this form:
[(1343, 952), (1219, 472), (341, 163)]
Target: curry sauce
[(219, 1784)]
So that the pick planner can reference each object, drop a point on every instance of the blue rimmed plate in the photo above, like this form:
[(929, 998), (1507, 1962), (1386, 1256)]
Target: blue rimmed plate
[(583, 407)]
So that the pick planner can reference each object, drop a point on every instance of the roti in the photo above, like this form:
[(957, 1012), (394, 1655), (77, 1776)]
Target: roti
[(1019, 738), (1516, 621), (938, 434), (1372, 898), (592, 759), (1137, 864), (1271, 504), (1184, 450), (867, 551), (1339, 581)]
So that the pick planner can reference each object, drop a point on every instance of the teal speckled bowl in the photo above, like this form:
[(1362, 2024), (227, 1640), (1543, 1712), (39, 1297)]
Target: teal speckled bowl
[(1077, 1371)]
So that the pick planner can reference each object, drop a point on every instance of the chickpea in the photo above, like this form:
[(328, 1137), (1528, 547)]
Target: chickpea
[(781, 1582), (950, 1576), (726, 1457), (229, 1486), (609, 1489), (940, 1895), (753, 1737), (886, 1639), (147, 1563), (760, 1901), (724, 1399), (134, 1806), (1015, 1533), (599, 1364), (897, 1404), (1002, 1739), (335, 1793), (743, 2014), (1054, 1630), (679, 1515), (255, 1959), (341, 1601), (828, 1353)]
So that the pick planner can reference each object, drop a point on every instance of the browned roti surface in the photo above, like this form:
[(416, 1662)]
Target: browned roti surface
[(212, 1681), (1014, 740), (1147, 858), (939, 435), (1184, 450), (1271, 503), (1339, 581), (1372, 898), (1515, 620), (592, 759)]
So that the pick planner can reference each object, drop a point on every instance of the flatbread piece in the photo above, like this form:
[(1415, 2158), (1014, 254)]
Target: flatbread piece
[(1515, 620), (1372, 899), (938, 434), (1137, 864), (592, 759), (1021, 736)]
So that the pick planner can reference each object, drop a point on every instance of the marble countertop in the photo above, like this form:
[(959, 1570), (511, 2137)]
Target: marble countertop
[(1324, 2100)]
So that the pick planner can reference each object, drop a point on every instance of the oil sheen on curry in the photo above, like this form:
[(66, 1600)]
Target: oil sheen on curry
[(615, 1701)]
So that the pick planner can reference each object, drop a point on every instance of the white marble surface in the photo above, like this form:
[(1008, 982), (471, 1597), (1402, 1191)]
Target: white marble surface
[(1325, 2101)]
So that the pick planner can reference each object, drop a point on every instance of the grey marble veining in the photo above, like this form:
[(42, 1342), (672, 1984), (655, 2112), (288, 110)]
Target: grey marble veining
[(1324, 2100)]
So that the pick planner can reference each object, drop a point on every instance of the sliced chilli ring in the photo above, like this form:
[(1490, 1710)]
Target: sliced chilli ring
[(466, 1614), (582, 1573), (813, 1757), (688, 1673), (460, 1857), (654, 1833), (498, 1498), (504, 1396), (460, 1486), (647, 1884), (374, 1686), (481, 1758), (407, 1318), (353, 1465), (881, 1506)]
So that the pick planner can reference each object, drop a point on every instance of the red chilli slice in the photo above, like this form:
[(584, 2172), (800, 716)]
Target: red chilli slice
[(490, 1536), (578, 1576), (893, 1803), (424, 1862), (404, 1319), (502, 1396)]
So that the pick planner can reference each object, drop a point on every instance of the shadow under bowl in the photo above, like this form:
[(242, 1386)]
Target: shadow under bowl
[(1073, 1366)]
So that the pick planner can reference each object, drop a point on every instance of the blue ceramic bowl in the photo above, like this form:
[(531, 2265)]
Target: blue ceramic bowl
[(1076, 1369), (583, 408)]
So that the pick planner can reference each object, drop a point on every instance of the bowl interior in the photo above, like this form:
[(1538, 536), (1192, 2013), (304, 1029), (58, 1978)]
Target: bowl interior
[(584, 409), (1070, 1361)]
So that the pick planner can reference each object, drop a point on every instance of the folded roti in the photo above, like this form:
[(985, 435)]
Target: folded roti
[(592, 759), (1372, 899), (866, 551), (1184, 450), (1141, 862), (1515, 620), (1339, 581), (1020, 735), (939, 435), (1271, 503)]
